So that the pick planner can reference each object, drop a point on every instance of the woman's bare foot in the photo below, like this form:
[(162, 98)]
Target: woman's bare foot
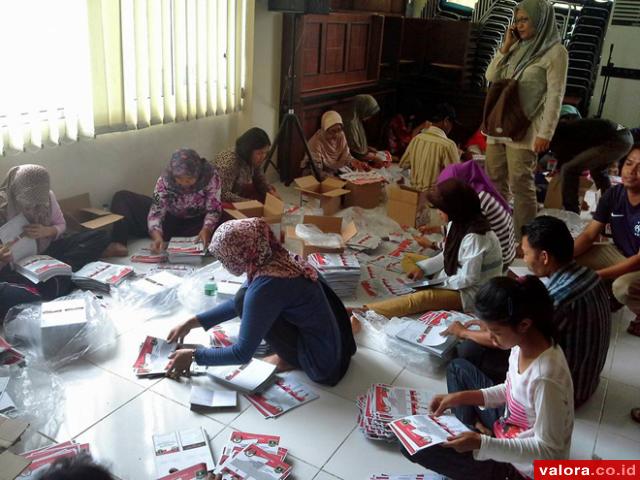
[(281, 365), (482, 429), (115, 249), (356, 325)]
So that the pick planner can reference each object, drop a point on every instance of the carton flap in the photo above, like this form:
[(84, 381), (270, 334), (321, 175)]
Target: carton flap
[(237, 214), (335, 193), (12, 465), (326, 224), (10, 430), (349, 231), (273, 206), (307, 183), (73, 204), (332, 182), (98, 212), (102, 221), (401, 193), (247, 205)]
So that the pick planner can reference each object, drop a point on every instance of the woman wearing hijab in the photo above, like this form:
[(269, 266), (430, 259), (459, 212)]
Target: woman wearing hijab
[(240, 170), (493, 205), (532, 54), (364, 107), (470, 257), (185, 203), (284, 303), (329, 148), (27, 190)]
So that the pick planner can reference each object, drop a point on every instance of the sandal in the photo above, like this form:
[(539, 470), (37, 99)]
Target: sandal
[(635, 414), (634, 327)]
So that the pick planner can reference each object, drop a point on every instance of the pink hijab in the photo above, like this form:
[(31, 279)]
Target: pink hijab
[(471, 173), (249, 246)]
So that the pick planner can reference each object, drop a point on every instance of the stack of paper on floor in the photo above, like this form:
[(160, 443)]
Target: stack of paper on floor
[(145, 255), (382, 404), (8, 354), (425, 332), (42, 458), (409, 476), (209, 398), (185, 250), (26, 261), (226, 334), (181, 449), (284, 395), (153, 357), (385, 287), (62, 321), (418, 432), (252, 377), (175, 269), (6, 402), (101, 276), (364, 242), (340, 270), (253, 456), (157, 283), (195, 472)]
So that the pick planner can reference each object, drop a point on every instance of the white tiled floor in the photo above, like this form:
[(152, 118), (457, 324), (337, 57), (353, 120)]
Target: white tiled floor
[(118, 413)]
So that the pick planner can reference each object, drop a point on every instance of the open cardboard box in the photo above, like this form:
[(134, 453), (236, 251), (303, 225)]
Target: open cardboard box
[(327, 225), (407, 206), (272, 211), (79, 214), (326, 194), (366, 195)]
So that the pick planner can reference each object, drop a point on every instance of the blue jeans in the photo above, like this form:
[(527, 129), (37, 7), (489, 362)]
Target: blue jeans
[(462, 375)]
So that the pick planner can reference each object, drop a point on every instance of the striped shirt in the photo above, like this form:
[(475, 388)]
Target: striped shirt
[(583, 321), (501, 223)]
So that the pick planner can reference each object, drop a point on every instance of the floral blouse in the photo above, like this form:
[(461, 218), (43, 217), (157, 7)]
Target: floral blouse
[(237, 175), (186, 205)]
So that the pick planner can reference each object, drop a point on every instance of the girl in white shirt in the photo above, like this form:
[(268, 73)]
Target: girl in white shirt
[(527, 418), (471, 256)]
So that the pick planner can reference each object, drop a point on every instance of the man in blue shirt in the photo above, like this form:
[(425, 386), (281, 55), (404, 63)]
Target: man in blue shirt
[(618, 264)]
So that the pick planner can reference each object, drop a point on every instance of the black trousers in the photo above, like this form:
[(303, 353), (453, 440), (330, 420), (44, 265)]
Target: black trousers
[(12, 294), (462, 375), (135, 207), (493, 362)]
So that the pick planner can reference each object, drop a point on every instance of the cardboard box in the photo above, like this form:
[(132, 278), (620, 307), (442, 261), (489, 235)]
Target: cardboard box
[(326, 195), (553, 199), (367, 195), (407, 206), (272, 211), (11, 430), (327, 225), (11, 465), (81, 216)]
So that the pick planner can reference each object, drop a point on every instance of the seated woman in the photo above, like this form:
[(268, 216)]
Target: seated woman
[(285, 303), (494, 207), (364, 107), (471, 256), (240, 170), (185, 203), (27, 190), (529, 416), (329, 148)]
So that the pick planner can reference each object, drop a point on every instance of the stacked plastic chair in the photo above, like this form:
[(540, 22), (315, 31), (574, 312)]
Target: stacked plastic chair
[(445, 9), (585, 48)]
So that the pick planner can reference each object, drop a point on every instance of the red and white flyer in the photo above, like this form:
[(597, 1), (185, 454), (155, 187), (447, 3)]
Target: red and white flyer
[(282, 396), (418, 432), (253, 463), (195, 472), (153, 357)]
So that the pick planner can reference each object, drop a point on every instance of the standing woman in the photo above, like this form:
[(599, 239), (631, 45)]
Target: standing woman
[(364, 107), (329, 148), (185, 203), (240, 170), (533, 54), (284, 303), (27, 190)]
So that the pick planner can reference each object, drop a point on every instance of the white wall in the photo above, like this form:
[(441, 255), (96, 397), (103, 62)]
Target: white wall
[(133, 160)]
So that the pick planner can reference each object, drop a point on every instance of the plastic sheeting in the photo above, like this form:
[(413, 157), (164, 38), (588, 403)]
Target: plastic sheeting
[(373, 220), (191, 292), (575, 223), (312, 235), (59, 340), (148, 296)]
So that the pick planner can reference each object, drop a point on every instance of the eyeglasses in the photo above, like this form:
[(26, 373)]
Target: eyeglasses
[(522, 20)]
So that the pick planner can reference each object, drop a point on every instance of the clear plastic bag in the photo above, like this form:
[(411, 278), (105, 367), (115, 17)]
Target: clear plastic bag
[(38, 395), (374, 220), (312, 235), (147, 296), (71, 327), (378, 333), (575, 223), (191, 293)]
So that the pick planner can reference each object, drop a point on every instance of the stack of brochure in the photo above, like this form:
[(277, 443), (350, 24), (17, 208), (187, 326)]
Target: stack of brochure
[(42, 458), (153, 358), (40, 268), (364, 242), (183, 449), (195, 472), (284, 395), (385, 287), (382, 404), (185, 250), (145, 255), (426, 332), (340, 270), (418, 432), (226, 334), (252, 377), (253, 456), (156, 284), (101, 276), (62, 323)]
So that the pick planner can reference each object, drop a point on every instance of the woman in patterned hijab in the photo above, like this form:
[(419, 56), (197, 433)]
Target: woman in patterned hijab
[(25, 190)]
